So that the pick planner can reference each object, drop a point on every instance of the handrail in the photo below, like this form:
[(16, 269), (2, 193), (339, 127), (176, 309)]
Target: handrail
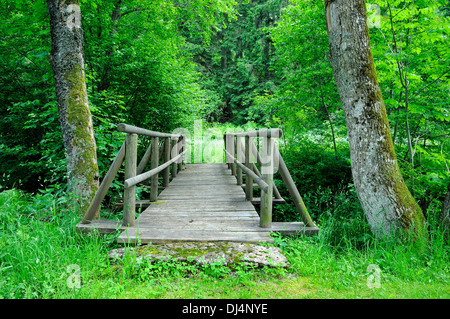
[(141, 131), (254, 152), (235, 149), (264, 186), (173, 149), (266, 167), (144, 176), (104, 186), (271, 132), (293, 191)]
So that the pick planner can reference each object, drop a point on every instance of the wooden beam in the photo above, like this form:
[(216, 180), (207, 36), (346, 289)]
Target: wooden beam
[(293, 191), (105, 185), (153, 172), (141, 131), (144, 160), (238, 159), (248, 164), (166, 172), (293, 228), (250, 172), (129, 196), (273, 133), (174, 154), (276, 192), (275, 201), (102, 226), (267, 174), (154, 164)]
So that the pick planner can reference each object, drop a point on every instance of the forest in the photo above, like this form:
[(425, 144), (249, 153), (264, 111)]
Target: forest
[(231, 65)]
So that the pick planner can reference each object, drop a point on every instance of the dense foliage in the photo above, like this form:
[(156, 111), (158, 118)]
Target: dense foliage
[(137, 71), (409, 40), (243, 64), (161, 64)]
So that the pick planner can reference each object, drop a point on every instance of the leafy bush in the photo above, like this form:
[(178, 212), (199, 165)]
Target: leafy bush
[(320, 176), (313, 165)]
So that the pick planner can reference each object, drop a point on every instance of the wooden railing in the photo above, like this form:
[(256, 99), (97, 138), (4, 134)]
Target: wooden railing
[(173, 149), (245, 157)]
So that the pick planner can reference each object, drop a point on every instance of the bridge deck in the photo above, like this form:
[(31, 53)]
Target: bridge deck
[(203, 203)]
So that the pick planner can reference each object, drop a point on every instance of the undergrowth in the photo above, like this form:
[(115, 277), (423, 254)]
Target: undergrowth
[(43, 256)]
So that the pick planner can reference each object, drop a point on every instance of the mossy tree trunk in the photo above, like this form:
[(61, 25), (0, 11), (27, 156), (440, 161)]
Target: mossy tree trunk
[(75, 117), (384, 196)]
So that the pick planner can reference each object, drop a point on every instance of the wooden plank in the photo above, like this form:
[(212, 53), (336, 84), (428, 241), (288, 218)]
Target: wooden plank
[(102, 226), (130, 235), (212, 219), (139, 204), (204, 227), (201, 198), (213, 205), (177, 205), (203, 203), (277, 201), (193, 212), (185, 195), (293, 228), (201, 188)]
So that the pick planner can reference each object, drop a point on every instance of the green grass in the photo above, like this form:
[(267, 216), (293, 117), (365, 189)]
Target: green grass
[(42, 256)]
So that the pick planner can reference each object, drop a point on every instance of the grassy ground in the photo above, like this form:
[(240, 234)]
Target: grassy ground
[(42, 256)]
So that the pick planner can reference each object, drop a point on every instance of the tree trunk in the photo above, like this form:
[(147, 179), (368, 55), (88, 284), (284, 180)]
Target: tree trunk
[(75, 117), (384, 196)]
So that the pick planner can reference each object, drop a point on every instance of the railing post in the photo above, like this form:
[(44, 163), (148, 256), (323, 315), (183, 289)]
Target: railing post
[(183, 158), (276, 192), (229, 146), (239, 158), (154, 163), (180, 149), (233, 164), (248, 163), (267, 175), (129, 196), (227, 160), (166, 172), (174, 153)]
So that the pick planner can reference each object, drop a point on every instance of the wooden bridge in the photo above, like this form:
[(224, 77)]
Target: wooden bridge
[(199, 202)]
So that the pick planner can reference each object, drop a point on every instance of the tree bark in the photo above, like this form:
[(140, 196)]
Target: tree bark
[(70, 86), (384, 196)]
